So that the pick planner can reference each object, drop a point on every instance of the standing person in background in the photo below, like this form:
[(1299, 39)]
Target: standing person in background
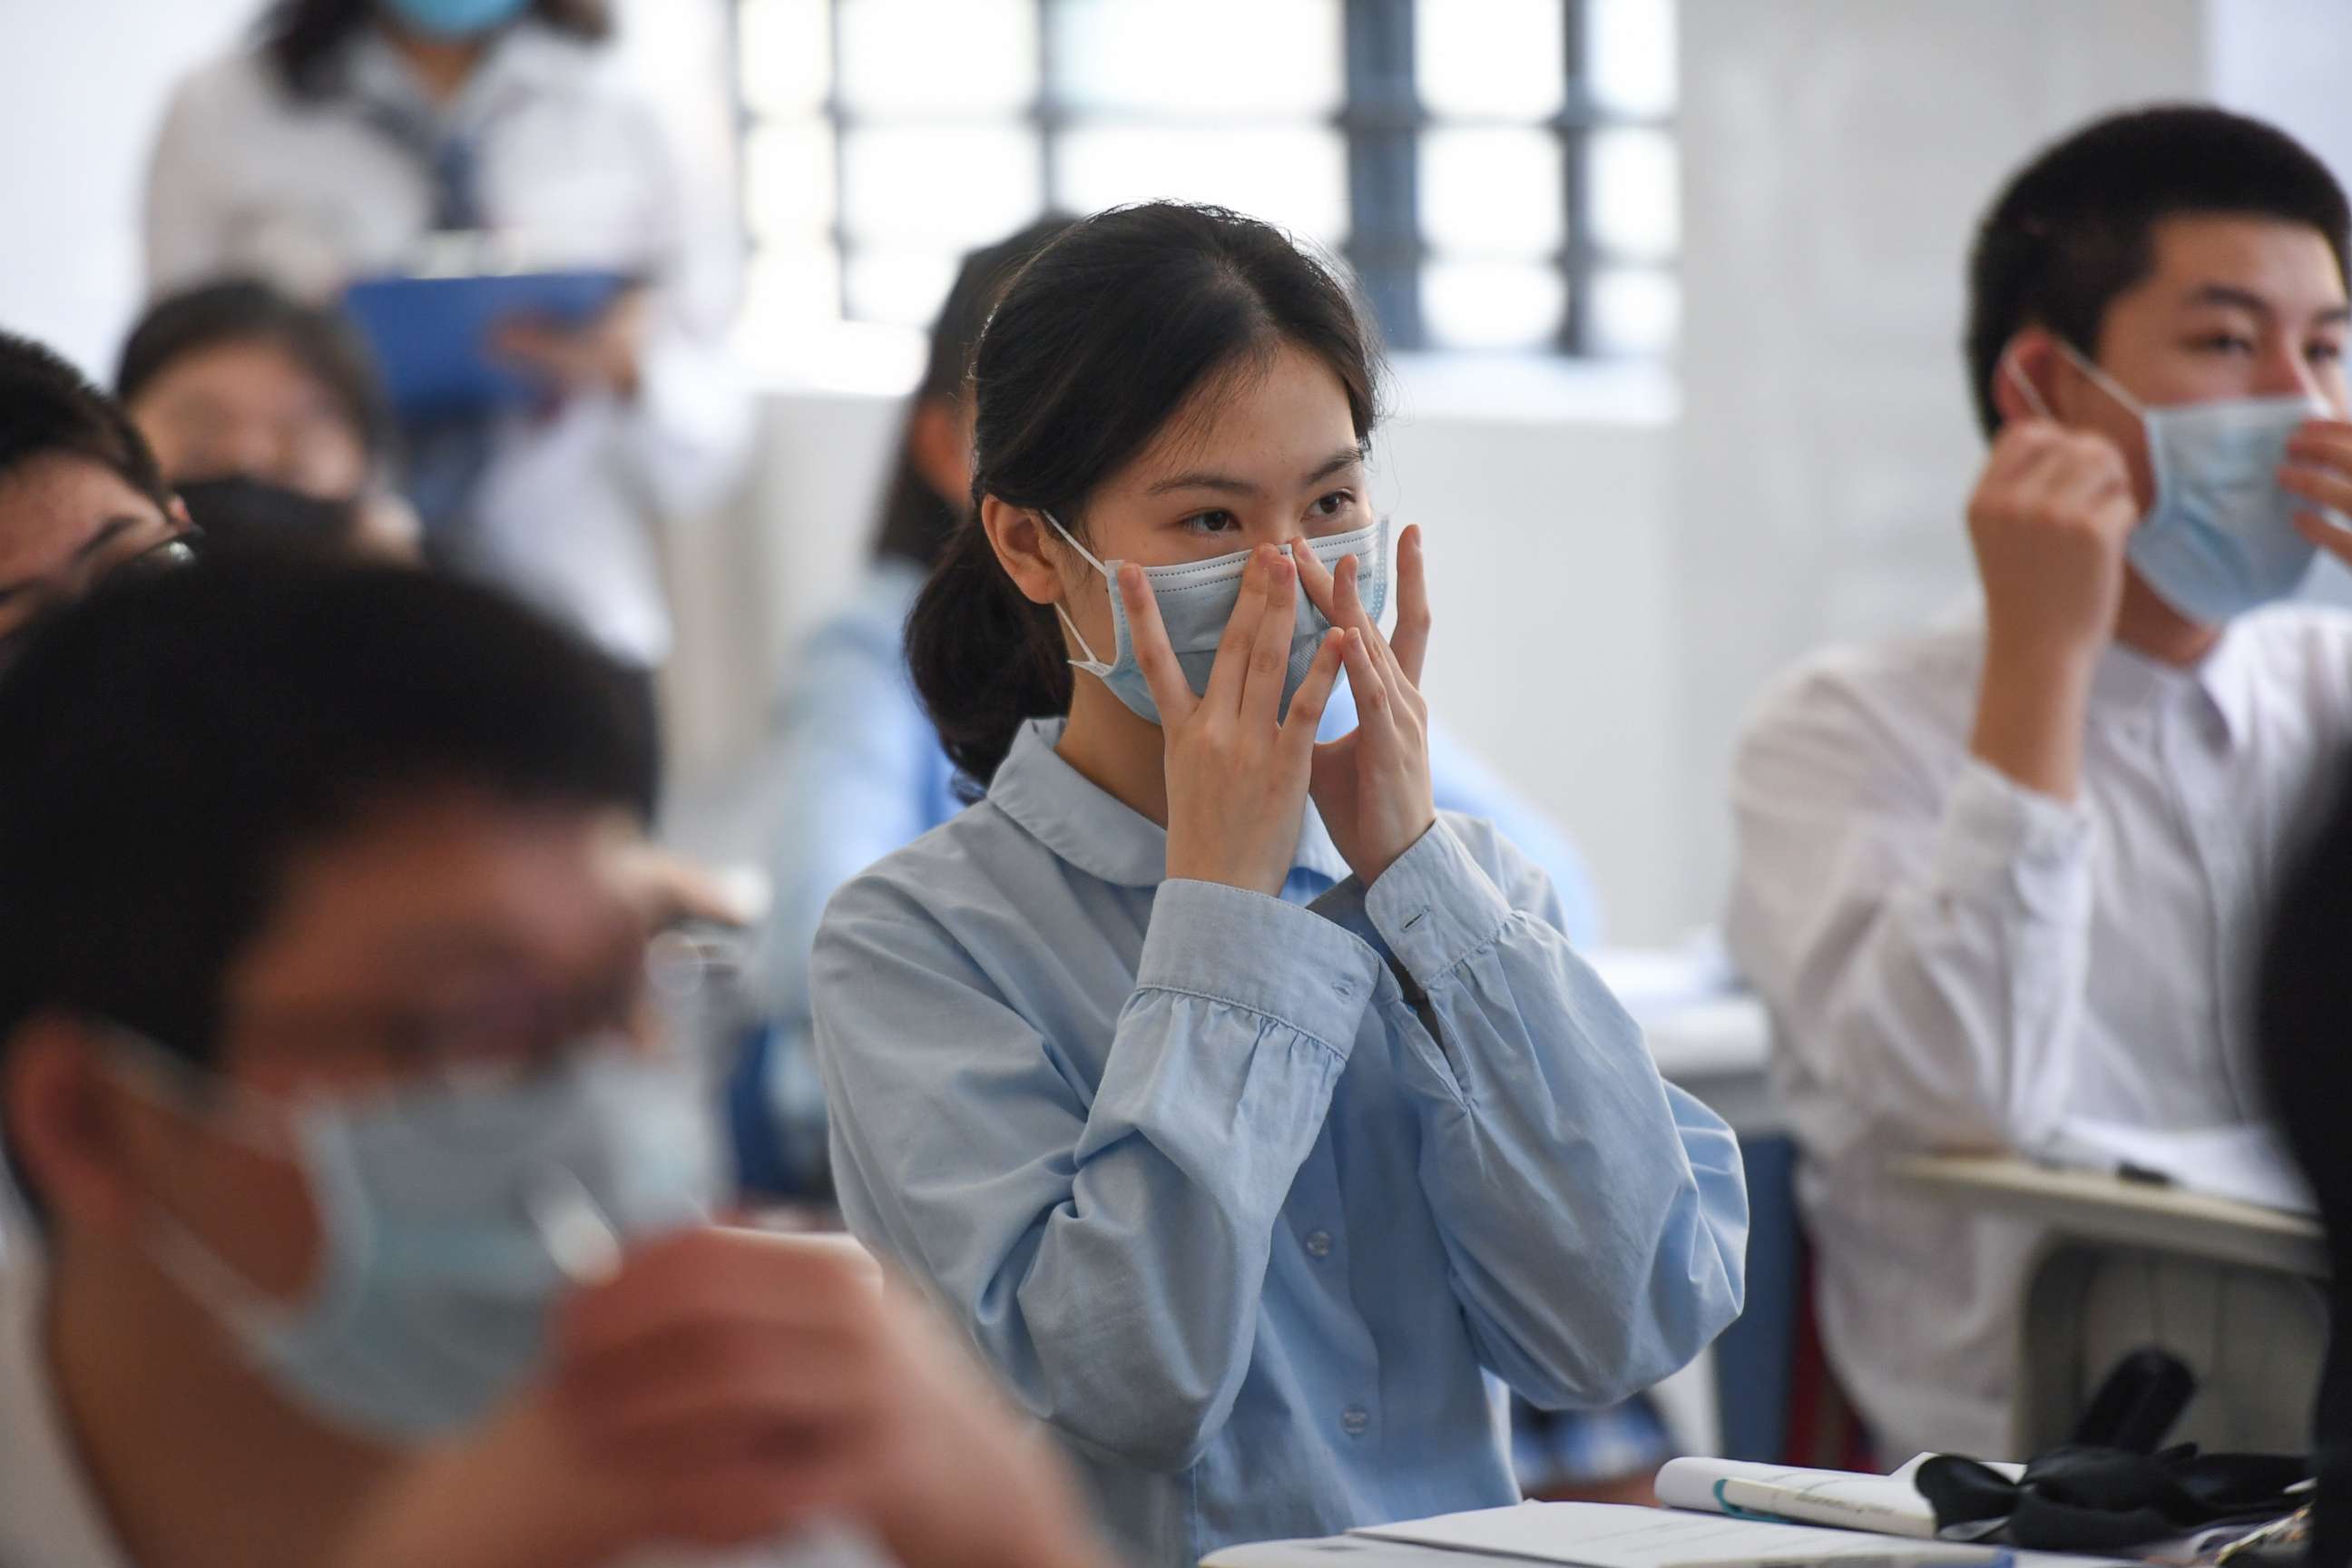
[(360, 128), (268, 418)]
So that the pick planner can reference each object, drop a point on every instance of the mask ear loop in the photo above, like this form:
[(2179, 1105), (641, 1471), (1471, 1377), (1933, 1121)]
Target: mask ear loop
[(2099, 378), (2024, 385), (1092, 664)]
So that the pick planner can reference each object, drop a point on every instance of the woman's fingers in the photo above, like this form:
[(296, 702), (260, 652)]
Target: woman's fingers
[(1373, 718), (1153, 654), (1350, 601), (2320, 486), (1315, 578), (1314, 694), (1229, 673), (1410, 642), (1269, 659), (2331, 537)]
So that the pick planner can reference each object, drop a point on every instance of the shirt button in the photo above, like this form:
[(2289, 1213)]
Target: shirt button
[(1319, 1244), (1355, 1421)]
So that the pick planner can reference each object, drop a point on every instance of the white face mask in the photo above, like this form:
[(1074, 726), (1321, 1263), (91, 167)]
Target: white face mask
[(1197, 598), (2221, 538), (451, 1218)]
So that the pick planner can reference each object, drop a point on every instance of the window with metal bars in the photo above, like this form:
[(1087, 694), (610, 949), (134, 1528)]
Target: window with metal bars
[(1500, 173)]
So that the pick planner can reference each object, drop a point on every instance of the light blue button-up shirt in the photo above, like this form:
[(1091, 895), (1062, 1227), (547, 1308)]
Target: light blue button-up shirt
[(1242, 1193)]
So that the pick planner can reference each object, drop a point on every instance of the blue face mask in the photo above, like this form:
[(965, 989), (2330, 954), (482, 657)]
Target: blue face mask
[(450, 1220), (1197, 598), (455, 18), (2220, 538)]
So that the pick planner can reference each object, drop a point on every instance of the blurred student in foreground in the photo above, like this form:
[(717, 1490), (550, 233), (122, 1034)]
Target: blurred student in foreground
[(2306, 1024), (373, 1204), (268, 418), (2002, 874)]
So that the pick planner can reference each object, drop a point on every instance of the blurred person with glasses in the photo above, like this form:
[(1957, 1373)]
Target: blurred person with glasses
[(80, 492), (373, 1201), (268, 417)]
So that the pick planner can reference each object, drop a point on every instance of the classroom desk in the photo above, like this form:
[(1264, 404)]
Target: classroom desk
[(2100, 1208), (2228, 1288)]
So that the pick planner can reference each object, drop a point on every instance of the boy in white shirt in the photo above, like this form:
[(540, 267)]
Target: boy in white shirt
[(2007, 871), (372, 1199)]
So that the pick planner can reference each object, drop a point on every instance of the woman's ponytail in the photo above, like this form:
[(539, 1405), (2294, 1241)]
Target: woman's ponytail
[(984, 659)]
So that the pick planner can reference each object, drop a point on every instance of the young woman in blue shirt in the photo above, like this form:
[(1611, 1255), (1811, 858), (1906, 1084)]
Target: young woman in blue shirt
[(1246, 1110)]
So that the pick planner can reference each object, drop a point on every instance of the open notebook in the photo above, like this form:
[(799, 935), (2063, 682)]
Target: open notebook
[(1602, 1535)]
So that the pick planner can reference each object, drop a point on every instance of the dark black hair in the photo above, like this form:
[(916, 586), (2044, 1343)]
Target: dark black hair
[(322, 341), (306, 38), (173, 741), (49, 409), (1097, 344), (916, 520), (2303, 1026), (2074, 228)]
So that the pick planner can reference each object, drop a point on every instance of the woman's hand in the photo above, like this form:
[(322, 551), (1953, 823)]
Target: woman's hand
[(2320, 471), (1371, 785), (1237, 772), (604, 355)]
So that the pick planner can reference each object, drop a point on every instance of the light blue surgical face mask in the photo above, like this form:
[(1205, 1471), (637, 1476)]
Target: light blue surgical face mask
[(450, 1220), (2221, 538), (455, 18), (1197, 598)]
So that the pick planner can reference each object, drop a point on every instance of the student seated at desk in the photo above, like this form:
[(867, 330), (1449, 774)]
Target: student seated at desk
[(371, 1196), (267, 418), (862, 772), (2008, 869), (1246, 1109)]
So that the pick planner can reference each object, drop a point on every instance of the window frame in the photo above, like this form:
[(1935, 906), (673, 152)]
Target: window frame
[(1380, 120)]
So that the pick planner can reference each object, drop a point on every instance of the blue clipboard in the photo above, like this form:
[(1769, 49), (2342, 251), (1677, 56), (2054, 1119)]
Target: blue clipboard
[(432, 335)]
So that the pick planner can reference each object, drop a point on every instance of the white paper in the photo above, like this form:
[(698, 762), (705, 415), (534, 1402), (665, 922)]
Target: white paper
[(2244, 1162), (1604, 1535)]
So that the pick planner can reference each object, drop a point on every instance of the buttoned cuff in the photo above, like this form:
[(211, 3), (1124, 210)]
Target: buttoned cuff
[(1435, 906), (1228, 944), (2001, 839)]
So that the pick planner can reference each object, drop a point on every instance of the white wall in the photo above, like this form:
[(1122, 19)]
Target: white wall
[(82, 88), (1836, 155)]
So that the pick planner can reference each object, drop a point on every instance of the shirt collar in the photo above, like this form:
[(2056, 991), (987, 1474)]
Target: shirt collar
[(1101, 835), (2222, 682), (522, 61)]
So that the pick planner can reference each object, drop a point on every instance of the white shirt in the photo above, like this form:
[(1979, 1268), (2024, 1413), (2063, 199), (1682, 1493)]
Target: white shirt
[(248, 179), (49, 1517), (1955, 962)]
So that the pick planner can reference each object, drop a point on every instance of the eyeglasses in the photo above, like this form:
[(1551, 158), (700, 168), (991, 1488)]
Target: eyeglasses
[(174, 552)]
